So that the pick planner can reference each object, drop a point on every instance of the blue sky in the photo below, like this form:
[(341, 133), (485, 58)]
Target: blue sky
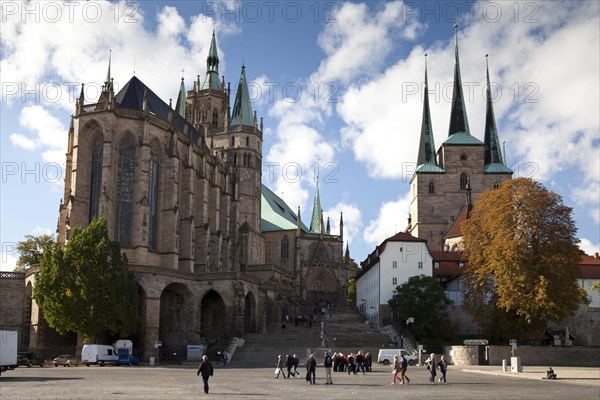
[(339, 85)]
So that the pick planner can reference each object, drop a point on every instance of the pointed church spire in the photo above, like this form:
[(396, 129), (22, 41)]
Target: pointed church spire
[(242, 109), (347, 254), (458, 114), (491, 145), (427, 145), (212, 81), (315, 221), (108, 82), (181, 99)]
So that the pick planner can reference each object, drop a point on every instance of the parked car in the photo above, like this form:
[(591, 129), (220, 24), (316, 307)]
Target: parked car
[(131, 360), (66, 360), (30, 359), (386, 356)]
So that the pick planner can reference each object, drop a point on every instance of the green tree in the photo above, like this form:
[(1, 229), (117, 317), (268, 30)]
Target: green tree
[(523, 259), (353, 270), (86, 287), (31, 250), (422, 298)]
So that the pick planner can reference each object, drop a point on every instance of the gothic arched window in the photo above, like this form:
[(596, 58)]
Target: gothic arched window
[(285, 248), (124, 200), (463, 181), (96, 177), (153, 174), (431, 188)]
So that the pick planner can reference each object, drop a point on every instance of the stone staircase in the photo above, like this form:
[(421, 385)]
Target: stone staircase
[(345, 330)]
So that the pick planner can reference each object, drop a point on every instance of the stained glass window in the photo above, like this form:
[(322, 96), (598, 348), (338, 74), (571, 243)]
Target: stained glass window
[(125, 181), (96, 177)]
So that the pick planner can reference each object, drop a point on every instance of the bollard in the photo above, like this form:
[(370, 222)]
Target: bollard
[(504, 364)]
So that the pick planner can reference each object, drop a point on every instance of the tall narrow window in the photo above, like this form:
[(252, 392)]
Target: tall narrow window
[(153, 174), (215, 118), (285, 248), (463, 181), (126, 165), (431, 188), (96, 177)]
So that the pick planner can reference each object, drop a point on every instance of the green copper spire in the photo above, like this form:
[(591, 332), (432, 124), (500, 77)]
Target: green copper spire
[(315, 221), (181, 99), (492, 152), (211, 81), (107, 82), (242, 109), (458, 114), (427, 145)]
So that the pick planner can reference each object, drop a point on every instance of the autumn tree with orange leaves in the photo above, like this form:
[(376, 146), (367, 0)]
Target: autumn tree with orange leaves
[(523, 257)]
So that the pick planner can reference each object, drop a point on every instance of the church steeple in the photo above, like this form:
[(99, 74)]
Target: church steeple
[(427, 145), (315, 221), (181, 99), (108, 82), (211, 81), (242, 109), (458, 114), (492, 152)]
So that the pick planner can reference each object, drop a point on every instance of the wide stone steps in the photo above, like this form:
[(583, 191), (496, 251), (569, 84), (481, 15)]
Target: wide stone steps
[(345, 330)]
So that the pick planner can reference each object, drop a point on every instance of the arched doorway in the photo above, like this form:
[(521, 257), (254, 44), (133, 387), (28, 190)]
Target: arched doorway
[(213, 324), (250, 314), (321, 287), (176, 321)]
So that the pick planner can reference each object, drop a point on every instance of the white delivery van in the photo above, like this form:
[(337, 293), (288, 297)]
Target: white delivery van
[(100, 354), (386, 356), (8, 350)]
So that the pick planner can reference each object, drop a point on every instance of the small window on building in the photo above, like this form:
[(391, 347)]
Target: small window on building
[(400, 249), (232, 141), (431, 188), (247, 141), (394, 264), (420, 264), (461, 264), (394, 281), (436, 264)]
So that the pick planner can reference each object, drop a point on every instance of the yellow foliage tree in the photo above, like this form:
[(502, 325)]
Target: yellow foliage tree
[(523, 259)]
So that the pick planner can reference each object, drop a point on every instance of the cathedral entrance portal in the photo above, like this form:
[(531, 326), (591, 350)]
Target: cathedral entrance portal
[(212, 317), (321, 288)]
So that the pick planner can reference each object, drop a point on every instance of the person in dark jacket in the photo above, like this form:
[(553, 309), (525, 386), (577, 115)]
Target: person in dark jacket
[(311, 368), (206, 369), (295, 363)]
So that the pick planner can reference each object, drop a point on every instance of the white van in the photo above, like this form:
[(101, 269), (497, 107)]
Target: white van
[(386, 356), (98, 354)]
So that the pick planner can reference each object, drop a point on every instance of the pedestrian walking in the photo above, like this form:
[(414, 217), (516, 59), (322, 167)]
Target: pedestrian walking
[(431, 366), (289, 364), (206, 370), (328, 364), (295, 363), (443, 368), (403, 367), (395, 370), (311, 369), (279, 368)]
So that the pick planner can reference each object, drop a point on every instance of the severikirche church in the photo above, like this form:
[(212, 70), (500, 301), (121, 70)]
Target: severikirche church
[(214, 251)]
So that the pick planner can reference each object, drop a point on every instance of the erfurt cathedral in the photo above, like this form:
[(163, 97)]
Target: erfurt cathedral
[(214, 251)]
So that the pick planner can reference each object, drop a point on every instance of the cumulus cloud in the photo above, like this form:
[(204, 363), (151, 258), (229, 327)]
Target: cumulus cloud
[(352, 221), (8, 261), (588, 247), (391, 220)]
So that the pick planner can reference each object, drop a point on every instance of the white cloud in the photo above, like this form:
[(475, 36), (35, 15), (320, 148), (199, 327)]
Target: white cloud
[(22, 141), (39, 230), (50, 134), (588, 247), (391, 220), (352, 221)]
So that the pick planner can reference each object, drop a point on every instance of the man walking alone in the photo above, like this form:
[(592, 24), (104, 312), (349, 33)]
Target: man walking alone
[(206, 369), (328, 364)]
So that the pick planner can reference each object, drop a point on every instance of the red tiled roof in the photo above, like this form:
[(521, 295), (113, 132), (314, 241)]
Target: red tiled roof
[(463, 215), (589, 266)]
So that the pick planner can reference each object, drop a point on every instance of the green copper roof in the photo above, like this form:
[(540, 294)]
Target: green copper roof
[(211, 81), (426, 146), (315, 221), (429, 168), (462, 138), (496, 168), (242, 109), (492, 154), (181, 100), (458, 113), (275, 214)]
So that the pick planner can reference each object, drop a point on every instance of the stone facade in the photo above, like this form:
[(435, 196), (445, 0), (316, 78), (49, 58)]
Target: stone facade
[(180, 189)]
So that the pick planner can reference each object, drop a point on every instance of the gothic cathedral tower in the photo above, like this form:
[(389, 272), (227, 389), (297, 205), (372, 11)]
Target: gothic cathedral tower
[(462, 169)]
